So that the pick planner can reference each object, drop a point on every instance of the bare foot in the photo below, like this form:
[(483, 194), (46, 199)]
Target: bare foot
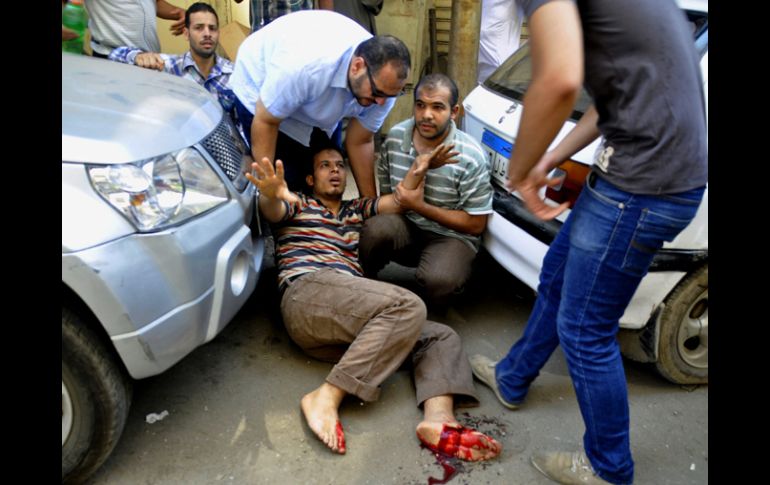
[(320, 410), (453, 439)]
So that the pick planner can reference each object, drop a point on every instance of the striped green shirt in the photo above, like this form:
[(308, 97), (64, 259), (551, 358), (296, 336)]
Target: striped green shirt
[(462, 186)]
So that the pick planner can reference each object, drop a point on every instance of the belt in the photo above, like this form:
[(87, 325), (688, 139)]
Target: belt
[(288, 281), (592, 179)]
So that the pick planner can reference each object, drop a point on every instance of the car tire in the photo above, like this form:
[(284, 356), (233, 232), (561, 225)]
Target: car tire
[(683, 331), (96, 395)]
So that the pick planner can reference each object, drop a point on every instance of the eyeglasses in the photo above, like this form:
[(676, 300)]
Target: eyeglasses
[(376, 93)]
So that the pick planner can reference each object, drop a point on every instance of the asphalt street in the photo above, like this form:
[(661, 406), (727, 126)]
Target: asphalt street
[(233, 413)]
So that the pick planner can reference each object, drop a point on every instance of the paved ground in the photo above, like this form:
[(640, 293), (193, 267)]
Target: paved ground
[(234, 415)]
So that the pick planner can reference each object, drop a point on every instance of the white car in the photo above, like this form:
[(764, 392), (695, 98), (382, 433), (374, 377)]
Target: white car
[(667, 319), (158, 253)]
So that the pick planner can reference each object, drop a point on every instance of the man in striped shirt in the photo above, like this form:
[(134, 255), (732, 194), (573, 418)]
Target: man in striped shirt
[(367, 327), (440, 231), (200, 63)]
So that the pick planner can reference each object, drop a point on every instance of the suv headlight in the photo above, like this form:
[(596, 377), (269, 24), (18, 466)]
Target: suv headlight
[(162, 191)]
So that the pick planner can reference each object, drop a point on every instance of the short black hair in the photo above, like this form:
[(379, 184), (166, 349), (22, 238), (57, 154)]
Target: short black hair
[(319, 141), (434, 80), (198, 7), (384, 49)]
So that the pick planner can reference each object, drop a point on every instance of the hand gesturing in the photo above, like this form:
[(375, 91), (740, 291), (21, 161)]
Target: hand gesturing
[(436, 158), (269, 181)]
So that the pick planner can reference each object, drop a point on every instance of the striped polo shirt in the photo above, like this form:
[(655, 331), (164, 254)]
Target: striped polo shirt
[(310, 237), (461, 186)]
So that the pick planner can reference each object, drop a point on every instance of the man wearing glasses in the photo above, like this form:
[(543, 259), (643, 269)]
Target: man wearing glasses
[(307, 71), (439, 231)]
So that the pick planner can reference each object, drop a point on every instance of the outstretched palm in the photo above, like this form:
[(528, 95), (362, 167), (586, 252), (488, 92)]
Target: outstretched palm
[(270, 182), (436, 158)]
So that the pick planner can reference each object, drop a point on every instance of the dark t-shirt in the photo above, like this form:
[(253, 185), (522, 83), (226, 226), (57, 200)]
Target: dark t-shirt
[(642, 70)]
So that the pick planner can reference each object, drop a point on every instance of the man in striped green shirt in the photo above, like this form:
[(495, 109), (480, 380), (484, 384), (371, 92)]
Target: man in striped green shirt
[(439, 232)]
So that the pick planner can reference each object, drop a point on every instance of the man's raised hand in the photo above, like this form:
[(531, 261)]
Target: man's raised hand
[(270, 181), (436, 158)]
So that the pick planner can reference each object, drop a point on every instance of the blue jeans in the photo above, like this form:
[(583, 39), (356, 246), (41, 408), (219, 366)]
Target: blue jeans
[(589, 275)]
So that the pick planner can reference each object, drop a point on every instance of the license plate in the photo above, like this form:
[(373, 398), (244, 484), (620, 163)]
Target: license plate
[(499, 151)]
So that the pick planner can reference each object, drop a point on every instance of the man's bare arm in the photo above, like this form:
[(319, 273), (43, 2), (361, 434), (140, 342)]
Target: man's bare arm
[(438, 157), (273, 190), (557, 77), (359, 143), (264, 133), (456, 219), (167, 11), (580, 137)]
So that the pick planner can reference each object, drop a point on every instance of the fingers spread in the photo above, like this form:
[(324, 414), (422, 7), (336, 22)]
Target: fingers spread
[(279, 168), (553, 182), (267, 167)]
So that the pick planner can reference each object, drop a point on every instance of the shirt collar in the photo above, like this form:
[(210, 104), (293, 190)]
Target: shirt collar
[(340, 77), (220, 64), (224, 65), (188, 61)]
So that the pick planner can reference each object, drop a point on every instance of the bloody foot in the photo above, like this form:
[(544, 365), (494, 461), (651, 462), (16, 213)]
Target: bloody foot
[(453, 439), (320, 410)]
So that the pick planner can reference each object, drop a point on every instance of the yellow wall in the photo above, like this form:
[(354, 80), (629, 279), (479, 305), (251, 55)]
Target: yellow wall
[(407, 20)]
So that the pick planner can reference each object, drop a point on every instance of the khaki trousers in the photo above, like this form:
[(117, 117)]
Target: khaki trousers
[(443, 263), (369, 328)]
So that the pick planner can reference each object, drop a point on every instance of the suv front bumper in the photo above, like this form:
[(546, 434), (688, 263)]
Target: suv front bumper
[(161, 295)]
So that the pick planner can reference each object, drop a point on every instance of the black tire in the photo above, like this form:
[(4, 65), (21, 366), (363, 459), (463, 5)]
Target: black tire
[(683, 332), (96, 395)]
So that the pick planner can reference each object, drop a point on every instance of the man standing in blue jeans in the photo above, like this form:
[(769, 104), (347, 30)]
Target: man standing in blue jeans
[(642, 70)]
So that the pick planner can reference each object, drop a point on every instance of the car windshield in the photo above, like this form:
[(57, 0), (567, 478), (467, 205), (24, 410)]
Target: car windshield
[(512, 78)]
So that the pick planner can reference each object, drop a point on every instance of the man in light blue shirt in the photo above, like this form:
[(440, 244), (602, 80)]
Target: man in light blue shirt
[(307, 71)]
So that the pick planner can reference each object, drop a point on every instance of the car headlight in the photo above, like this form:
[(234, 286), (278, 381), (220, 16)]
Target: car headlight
[(162, 191)]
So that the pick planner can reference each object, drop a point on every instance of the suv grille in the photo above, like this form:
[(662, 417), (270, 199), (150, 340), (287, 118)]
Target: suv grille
[(227, 149)]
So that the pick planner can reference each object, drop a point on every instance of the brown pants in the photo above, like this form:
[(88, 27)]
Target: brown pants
[(443, 263), (369, 328)]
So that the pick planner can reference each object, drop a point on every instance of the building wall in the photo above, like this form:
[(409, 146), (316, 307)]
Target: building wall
[(407, 20)]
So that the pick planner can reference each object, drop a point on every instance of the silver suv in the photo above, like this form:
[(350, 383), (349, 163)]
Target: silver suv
[(157, 248)]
